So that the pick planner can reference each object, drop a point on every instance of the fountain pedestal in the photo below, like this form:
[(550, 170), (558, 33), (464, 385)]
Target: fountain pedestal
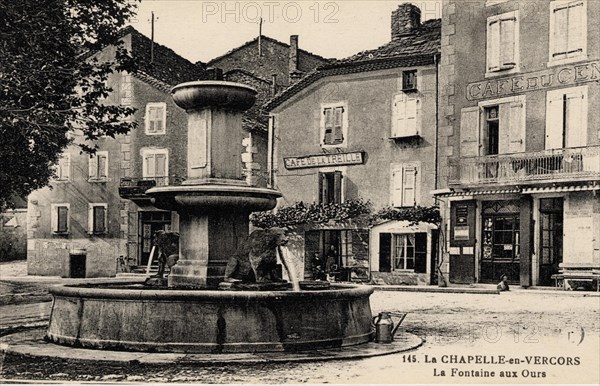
[(215, 201)]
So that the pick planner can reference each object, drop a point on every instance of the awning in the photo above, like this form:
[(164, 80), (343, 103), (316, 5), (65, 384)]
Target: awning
[(559, 189), (479, 192)]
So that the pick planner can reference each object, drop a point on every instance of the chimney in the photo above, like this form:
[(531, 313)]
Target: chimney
[(273, 84), (293, 62), (405, 20)]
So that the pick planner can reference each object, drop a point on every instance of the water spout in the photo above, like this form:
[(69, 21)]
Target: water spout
[(291, 271)]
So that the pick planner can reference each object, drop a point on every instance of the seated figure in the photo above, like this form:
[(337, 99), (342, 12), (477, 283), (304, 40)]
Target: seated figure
[(255, 260)]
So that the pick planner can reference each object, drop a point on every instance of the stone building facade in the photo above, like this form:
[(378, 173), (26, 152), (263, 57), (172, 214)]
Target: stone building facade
[(364, 127), (520, 140)]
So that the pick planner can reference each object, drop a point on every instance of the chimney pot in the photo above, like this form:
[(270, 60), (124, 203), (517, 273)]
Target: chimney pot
[(293, 62), (405, 20)]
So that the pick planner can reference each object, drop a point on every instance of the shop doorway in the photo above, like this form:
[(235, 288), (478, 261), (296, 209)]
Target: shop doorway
[(501, 242), (551, 238), (150, 223)]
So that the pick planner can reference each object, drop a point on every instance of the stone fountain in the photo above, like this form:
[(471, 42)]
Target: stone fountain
[(214, 204)]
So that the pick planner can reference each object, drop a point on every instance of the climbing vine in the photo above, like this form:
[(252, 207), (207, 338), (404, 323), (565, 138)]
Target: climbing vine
[(357, 211)]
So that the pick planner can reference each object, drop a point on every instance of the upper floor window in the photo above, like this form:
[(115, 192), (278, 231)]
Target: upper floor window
[(503, 43), (155, 164), (409, 80), (156, 117), (405, 185), (98, 166), (63, 168), (97, 218), (334, 124), (566, 117), (330, 188), (405, 110), (60, 218), (568, 31)]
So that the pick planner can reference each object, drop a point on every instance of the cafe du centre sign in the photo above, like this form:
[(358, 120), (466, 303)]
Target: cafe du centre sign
[(553, 77), (321, 160)]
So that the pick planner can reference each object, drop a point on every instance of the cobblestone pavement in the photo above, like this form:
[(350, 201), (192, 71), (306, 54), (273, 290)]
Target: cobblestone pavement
[(555, 335)]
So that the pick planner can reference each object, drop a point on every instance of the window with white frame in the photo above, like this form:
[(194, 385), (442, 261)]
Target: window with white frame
[(60, 221), (155, 164), (63, 168), (409, 252), (503, 42), (566, 117), (334, 124), (405, 186), (568, 31), (156, 118), (97, 218), (405, 111), (98, 166)]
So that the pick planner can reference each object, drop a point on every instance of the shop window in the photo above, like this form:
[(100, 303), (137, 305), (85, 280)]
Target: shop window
[(405, 110), (405, 185), (568, 31), (156, 116), (503, 42), (403, 252), (156, 166), (63, 168), (330, 188), (60, 218), (98, 166), (97, 218), (566, 118), (334, 124)]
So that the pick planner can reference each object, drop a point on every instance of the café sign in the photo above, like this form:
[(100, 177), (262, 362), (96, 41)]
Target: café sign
[(322, 160), (552, 77)]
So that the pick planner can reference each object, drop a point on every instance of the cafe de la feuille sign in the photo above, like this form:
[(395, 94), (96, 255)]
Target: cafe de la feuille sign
[(323, 160), (553, 77)]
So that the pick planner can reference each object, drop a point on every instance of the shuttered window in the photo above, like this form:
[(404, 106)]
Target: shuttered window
[(155, 118), (330, 188), (63, 168), (566, 118), (156, 165), (97, 218), (98, 166), (568, 30), (60, 218), (404, 115), (409, 252), (334, 124), (405, 185), (502, 42)]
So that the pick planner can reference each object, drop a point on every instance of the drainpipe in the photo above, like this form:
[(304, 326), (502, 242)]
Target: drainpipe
[(270, 151), (437, 117)]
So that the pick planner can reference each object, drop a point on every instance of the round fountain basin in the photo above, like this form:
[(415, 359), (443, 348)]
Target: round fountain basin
[(197, 321), (214, 94), (207, 196)]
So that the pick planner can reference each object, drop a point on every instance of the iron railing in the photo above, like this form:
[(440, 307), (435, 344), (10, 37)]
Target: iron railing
[(570, 164)]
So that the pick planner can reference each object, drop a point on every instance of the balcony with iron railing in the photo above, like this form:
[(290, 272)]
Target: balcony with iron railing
[(548, 166), (135, 188)]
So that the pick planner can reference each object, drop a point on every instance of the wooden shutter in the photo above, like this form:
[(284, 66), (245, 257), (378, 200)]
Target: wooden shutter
[(493, 45), (62, 224), (323, 188), (469, 132), (399, 115), (560, 31), (576, 114), (517, 130), (421, 252), (160, 164), (504, 128), (507, 42), (65, 167), (99, 219), (575, 31), (102, 165), (337, 187), (397, 176), (385, 252), (93, 167), (338, 132), (411, 116), (328, 126), (150, 169), (554, 120), (409, 185)]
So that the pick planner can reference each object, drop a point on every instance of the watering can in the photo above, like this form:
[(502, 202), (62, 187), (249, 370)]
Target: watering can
[(384, 326)]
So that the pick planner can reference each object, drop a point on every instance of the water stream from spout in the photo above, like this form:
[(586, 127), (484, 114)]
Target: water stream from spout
[(291, 271)]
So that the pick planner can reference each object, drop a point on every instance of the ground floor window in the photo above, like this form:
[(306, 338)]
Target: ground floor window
[(149, 223), (402, 252)]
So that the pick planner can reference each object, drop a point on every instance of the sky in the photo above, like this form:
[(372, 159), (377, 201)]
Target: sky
[(203, 30)]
